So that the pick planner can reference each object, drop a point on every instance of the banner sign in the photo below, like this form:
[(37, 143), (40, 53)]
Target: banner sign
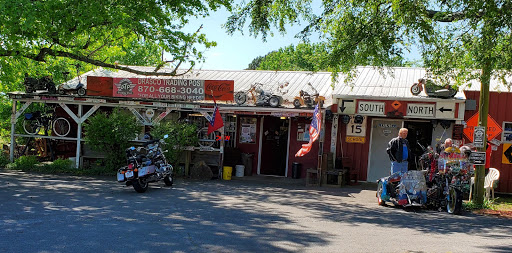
[(173, 89)]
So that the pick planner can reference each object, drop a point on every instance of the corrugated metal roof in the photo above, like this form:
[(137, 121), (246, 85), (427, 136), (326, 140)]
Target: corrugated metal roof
[(369, 82), (387, 83), (243, 79)]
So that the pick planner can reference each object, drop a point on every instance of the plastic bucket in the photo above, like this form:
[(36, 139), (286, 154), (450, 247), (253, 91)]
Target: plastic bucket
[(226, 172), (239, 171)]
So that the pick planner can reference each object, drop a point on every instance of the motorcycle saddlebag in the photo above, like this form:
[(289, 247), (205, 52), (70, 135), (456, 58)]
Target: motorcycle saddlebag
[(147, 170), (120, 176)]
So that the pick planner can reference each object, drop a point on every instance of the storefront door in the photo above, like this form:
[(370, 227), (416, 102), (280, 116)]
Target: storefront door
[(419, 137), (382, 132), (274, 146)]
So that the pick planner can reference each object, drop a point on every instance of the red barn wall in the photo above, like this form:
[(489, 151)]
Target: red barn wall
[(499, 110)]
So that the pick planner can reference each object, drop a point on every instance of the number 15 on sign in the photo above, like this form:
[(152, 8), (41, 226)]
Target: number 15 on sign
[(356, 129)]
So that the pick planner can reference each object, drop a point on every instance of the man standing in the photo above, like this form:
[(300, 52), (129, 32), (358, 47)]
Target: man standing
[(398, 151)]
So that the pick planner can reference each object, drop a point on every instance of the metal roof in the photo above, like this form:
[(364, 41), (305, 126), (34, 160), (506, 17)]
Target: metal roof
[(243, 79), (369, 82), (385, 84)]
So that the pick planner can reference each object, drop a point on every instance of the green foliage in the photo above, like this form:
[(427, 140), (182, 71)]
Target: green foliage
[(24, 163), (102, 32), (4, 160), (110, 133), (255, 63), (454, 37), (303, 57), (180, 136), (59, 166)]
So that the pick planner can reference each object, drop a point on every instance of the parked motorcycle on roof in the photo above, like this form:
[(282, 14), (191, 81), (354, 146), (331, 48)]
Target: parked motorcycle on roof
[(305, 99), (146, 164), (259, 96), (440, 183)]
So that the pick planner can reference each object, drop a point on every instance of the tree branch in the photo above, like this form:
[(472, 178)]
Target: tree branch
[(442, 16)]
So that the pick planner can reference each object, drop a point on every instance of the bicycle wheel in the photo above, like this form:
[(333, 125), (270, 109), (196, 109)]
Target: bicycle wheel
[(31, 126), (61, 127)]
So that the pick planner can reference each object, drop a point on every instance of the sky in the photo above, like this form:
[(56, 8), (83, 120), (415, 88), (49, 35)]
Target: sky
[(237, 51)]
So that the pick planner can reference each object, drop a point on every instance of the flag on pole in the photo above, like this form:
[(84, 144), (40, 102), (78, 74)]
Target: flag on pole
[(314, 132), (216, 120)]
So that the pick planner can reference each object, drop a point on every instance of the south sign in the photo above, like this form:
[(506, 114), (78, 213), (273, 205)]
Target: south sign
[(371, 108)]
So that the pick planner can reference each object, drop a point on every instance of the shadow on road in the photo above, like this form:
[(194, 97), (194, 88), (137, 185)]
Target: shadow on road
[(65, 213)]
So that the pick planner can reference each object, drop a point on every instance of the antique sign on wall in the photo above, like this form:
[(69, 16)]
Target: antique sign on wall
[(173, 89)]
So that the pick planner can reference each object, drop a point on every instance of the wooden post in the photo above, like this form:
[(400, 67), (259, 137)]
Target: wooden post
[(78, 137), (13, 128)]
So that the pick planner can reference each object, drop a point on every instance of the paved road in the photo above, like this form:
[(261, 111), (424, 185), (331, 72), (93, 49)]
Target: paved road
[(43, 213)]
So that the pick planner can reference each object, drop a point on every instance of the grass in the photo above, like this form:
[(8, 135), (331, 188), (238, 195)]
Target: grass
[(501, 205), (59, 166)]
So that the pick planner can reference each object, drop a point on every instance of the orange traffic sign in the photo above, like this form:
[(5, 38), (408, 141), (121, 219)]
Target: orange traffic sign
[(396, 104), (493, 129)]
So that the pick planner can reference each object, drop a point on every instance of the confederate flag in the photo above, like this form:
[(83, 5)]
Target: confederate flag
[(216, 121)]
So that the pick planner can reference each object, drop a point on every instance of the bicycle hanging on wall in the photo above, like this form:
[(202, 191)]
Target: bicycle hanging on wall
[(37, 121)]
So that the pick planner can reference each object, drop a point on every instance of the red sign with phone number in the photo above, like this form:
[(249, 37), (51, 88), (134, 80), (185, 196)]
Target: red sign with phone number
[(173, 89)]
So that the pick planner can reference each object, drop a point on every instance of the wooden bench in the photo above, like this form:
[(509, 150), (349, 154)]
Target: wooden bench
[(88, 154)]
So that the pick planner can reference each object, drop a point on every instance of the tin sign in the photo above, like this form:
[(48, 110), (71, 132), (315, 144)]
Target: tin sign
[(478, 136)]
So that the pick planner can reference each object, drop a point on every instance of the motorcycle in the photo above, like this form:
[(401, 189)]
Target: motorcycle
[(68, 87), (259, 96), (441, 183), (34, 84), (146, 164), (305, 99)]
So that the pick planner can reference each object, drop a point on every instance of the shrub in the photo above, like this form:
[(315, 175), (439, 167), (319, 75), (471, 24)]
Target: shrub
[(4, 160), (111, 133), (24, 163), (181, 135)]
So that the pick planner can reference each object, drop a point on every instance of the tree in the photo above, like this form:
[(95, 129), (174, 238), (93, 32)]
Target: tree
[(458, 40), (100, 32), (303, 57)]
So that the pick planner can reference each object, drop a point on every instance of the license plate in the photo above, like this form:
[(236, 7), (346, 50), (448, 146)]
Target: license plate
[(129, 174), (120, 177)]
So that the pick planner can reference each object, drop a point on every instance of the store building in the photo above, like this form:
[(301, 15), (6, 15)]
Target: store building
[(272, 135), (376, 104)]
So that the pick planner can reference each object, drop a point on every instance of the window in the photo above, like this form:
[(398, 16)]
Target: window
[(507, 132)]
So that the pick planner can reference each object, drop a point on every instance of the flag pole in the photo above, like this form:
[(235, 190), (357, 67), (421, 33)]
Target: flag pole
[(321, 139)]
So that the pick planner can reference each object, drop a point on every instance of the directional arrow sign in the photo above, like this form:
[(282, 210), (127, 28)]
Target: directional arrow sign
[(442, 109), (445, 110), (346, 106)]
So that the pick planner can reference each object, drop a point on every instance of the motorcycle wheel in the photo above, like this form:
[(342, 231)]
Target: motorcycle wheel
[(416, 89), (168, 180), (454, 205), (139, 185), (296, 103), (274, 101), (240, 98), (81, 92), (379, 194)]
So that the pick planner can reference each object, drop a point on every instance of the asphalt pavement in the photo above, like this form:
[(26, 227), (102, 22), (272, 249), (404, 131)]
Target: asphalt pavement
[(56, 213)]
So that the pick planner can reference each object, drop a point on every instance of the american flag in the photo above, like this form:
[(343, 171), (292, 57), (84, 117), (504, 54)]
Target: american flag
[(314, 132)]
